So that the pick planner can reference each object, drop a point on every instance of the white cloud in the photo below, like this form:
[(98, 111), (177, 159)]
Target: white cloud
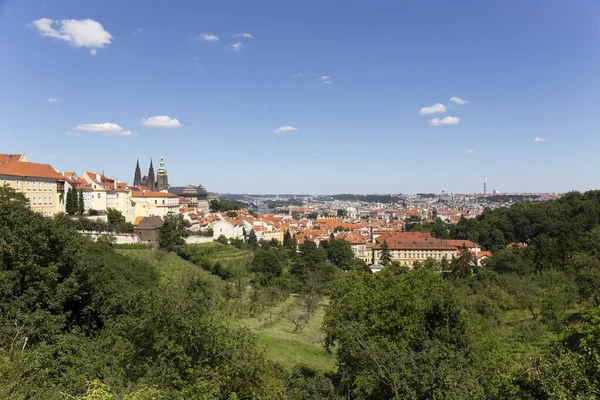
[(287, 128), (161, 121), (539, 139), (79, 33), (434, 109), (470, 151), (325, 79), (237, 46), (444, 121), (208, 37), (244, 35), (107, 128), (458, 100), (54, 100)]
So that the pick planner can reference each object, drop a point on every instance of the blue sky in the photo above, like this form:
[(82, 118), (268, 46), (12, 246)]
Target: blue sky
[(350, 76)]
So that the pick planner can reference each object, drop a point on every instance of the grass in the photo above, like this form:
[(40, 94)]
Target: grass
[(287, 348), (171, 267), (274, 332)]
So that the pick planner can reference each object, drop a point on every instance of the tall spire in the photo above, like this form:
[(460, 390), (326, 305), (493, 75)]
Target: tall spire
[(137, 178), (162, 179), (151, 180)]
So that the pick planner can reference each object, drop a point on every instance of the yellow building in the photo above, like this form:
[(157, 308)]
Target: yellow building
[(409, 247), (40, 183)]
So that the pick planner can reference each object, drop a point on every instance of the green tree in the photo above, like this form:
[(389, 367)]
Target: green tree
[(268, 264), (385, 257), (252, 239), (399, 336), (71, 202), (287, 240), (340, 253), (80, 204), (115, 218), (172, 233)]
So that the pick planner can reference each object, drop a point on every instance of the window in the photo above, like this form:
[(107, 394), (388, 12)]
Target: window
[(45, 185), (40, 200), (163, 202), (50, 186), (18, 185), (34, 200), (50, 200), (98, 195), (5, 182), (28, 185), (44, 199), (155, 201)]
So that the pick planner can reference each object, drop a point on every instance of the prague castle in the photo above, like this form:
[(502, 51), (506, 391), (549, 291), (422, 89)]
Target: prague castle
[(160, 183)]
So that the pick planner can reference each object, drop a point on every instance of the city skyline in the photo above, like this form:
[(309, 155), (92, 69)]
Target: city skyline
[(308, 98)]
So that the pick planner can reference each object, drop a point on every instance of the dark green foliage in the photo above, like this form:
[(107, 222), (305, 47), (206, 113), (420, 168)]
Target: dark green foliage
[(116, 221), (172, 232), (80, 203), (340, 253), (269, 264), (226, 205), (398, 336), (222, 239), (71, 203), (385, 257), (252, 239), (438, 229)]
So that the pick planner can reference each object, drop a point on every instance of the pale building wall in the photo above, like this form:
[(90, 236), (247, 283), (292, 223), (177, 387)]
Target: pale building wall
[(45, 195)]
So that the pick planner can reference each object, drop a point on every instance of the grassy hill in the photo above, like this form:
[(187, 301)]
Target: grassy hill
[(171, 267), (289, 348)]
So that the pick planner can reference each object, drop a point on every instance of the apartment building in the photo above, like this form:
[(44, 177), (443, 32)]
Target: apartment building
[(409, 247), (148, 203), (40, 183)]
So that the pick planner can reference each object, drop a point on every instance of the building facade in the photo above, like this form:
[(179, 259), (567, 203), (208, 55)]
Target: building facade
[(410, 247), (40, 183)]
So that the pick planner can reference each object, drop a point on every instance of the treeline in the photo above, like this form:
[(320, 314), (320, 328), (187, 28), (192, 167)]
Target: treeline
[(227, 205), (115, 223), (514, 198)]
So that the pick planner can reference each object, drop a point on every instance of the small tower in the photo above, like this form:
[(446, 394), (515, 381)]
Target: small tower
[(485, 186), (151, 180), (162, 179), (137, 178)]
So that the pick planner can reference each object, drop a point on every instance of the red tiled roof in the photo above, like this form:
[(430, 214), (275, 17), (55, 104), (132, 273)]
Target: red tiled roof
[(28, 169), (460, 243), (10, 157), (413, 240)]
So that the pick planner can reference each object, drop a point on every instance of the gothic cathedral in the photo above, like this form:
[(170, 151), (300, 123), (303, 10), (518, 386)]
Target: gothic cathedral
[(159, 184)]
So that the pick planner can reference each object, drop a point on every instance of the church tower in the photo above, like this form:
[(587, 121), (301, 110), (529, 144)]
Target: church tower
[(137, 178), (151, 180), (162, 179)]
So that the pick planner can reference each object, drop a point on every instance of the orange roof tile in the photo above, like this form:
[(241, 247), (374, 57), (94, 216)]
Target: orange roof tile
[(28, 169)]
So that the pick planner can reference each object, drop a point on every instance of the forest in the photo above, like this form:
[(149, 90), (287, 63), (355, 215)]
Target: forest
[(268, 320)]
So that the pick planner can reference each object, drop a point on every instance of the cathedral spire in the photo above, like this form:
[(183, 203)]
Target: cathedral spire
[(151, 180), (137, 178)]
